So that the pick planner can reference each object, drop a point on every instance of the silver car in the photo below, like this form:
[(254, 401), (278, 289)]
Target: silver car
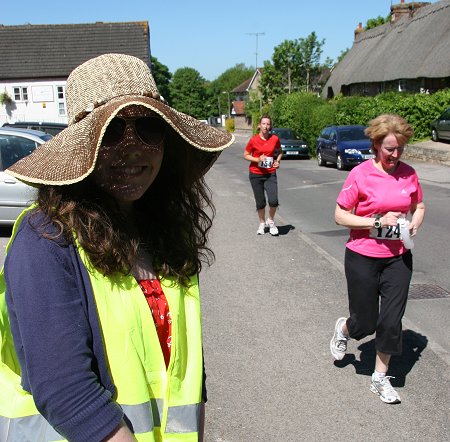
[(15, 195), (440, 128)]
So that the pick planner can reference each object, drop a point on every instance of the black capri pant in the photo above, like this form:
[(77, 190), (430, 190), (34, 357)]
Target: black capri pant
[(377, 293), (262, 184)]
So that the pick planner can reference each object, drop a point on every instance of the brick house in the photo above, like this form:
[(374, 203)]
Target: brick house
[(242, 95), (37, 59)]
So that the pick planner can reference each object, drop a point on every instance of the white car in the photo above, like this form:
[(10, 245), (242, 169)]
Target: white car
[(15, 195)]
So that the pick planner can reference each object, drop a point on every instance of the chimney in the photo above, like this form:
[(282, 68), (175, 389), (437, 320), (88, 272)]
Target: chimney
[(401, 9), (359, 29)]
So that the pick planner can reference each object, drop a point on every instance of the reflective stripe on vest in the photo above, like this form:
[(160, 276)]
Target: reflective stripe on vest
[(159, 403), (181, 419), (28, 428)]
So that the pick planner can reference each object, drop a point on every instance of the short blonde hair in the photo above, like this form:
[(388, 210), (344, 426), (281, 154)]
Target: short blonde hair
[(386, 124)]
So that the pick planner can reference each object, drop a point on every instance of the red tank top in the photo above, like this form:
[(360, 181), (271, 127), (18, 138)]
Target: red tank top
[(161, 315)]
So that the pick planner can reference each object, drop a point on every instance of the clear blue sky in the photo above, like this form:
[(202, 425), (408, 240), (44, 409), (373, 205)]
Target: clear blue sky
[(212, 36)]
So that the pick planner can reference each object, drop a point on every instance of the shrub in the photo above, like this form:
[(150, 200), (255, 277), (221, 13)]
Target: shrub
[(5, 98), (418, 109), (229, 124), (308, 114)]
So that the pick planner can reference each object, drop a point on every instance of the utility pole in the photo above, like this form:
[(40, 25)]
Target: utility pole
[(256, 34)]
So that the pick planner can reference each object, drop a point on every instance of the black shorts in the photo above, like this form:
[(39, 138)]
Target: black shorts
[(377, 293), (262, 185)]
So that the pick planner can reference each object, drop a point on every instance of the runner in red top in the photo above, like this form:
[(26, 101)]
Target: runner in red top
[(264, 153)]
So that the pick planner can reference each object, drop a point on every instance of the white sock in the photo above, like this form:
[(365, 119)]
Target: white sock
[(341, 334), (378, 375)]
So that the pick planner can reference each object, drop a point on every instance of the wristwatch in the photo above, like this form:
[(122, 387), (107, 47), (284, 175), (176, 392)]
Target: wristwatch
[(377, 222)]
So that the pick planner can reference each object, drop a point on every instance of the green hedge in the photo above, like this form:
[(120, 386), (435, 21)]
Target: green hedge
[(308, 114)]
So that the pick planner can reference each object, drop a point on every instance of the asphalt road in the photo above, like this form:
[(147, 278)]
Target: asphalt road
[(269, 308)]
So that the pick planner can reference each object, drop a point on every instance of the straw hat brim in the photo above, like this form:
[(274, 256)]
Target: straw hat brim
[(71, 155)]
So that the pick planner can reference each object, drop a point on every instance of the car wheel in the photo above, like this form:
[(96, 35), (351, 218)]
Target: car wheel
[(339, 162), (320, 160), (434, 135)]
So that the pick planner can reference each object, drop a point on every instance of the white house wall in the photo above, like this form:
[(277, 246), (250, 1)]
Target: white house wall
[(43, 103)]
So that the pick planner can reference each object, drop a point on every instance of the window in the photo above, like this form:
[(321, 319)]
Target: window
[(60, 90), (61, 108), (61, 93), (326, 133), (13, 148), (333, 135), (20, 93)]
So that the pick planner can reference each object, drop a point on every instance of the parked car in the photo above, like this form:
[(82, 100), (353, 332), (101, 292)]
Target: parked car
[(50, 128), (345, 146), (440, 128), (291, 144), (15, 195)]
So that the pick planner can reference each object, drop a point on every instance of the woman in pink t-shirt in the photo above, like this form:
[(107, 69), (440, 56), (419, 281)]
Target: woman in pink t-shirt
[(375, 198)]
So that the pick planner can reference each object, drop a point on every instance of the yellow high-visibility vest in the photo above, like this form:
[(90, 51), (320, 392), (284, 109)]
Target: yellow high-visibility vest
[(162, 404)]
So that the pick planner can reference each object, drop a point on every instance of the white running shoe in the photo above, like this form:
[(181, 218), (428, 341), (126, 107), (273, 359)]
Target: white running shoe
[(272, 227), (338, 343), (261, 229), (383, 388)]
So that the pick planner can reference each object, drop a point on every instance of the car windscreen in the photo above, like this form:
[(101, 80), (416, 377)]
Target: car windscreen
[(285, 134), (13, 148), (352, 134)]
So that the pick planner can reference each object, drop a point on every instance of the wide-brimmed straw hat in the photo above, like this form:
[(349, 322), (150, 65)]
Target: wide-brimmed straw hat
[(96, 91)]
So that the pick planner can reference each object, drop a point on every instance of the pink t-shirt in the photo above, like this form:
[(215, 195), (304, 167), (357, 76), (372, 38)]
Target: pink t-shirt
[(369, 191)]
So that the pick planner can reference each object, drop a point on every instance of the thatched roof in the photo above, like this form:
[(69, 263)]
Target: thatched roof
[(412, 47)]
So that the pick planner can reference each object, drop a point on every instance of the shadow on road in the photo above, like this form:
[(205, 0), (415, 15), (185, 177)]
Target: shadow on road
[(284, 230), (413, 345)]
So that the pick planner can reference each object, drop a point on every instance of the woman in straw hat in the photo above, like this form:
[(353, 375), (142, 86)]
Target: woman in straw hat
[(102, 331)]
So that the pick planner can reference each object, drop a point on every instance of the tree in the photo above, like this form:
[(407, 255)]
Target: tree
[(310, 50), (342, 55), (162, 77), (271, 83), (287, 60), (374, 22), (219, 91), (294, 63), (188, 92)]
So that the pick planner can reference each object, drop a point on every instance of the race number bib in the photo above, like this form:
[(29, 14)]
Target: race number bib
[(267, 163), (389, 232)]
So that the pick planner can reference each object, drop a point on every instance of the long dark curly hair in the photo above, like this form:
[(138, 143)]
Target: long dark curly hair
[(173, 217)]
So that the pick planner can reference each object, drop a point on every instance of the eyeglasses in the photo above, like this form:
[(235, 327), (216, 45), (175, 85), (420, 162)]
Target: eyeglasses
[(150, 130), (391, 150)]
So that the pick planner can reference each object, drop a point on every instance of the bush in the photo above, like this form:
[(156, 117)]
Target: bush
[(308, 114), (418, 109), (5, 98), (229, 124), (298, 111)]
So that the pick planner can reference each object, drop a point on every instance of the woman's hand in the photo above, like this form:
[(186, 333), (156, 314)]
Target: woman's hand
[(390, 218), (418, 214), (412, 230), (121, 434)]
